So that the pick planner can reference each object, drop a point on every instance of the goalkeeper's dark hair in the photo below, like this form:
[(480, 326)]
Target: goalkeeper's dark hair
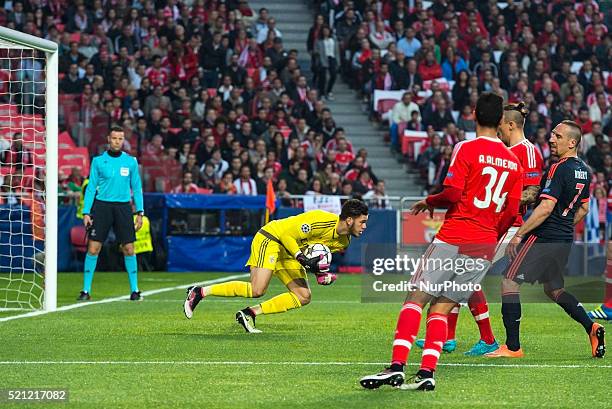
[(353, 208), (489, 110), (516, 113)]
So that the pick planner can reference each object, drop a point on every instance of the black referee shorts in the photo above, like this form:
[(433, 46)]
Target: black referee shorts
[(112, 214), (540, 260)]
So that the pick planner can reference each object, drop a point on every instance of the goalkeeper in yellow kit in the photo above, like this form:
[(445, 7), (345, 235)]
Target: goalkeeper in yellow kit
[(277, 250)]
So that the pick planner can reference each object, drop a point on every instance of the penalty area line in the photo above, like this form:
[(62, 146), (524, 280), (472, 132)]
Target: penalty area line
[(123, 297), (288, 363)]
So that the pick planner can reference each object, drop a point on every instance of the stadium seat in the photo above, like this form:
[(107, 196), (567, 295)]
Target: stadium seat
[(76, 157), (385, 105), (65, 141)]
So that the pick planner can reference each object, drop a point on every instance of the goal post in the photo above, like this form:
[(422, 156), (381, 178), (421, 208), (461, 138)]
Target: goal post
[(31, 100)]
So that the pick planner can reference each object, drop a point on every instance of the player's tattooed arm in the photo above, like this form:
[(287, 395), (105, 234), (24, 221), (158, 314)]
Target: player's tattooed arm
[(581, 212), (529, 195)]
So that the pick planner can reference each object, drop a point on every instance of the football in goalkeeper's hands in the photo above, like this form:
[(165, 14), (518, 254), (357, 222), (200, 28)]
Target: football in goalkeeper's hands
[(318, 250)]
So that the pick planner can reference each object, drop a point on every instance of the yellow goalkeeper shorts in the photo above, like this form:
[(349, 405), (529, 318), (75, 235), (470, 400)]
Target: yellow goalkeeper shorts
[(269, 254)]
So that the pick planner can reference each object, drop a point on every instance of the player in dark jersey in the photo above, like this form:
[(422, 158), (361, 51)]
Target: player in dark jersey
[(541, 246)]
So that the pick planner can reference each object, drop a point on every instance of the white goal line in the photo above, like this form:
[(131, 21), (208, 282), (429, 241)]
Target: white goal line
[(289, 363), (123, 297)]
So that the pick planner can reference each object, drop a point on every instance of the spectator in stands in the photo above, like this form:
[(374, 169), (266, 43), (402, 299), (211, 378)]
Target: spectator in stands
[(212, 60), (187, 185), (409, 44), (442, 169), (402, 112), (262, 33), (347, 188), (364, 183), (326, 49), (466, 120), (429, 69), (453, 64), (192, 167), (314, 34), (414, 79), (414, 124), (584, 120), (155, 147), (343, 155), (208, 176), (187, 133), (484, 65), (440, 115), (600, 110), (18, 156), (262, 181), (17, 16), (72, 84), (5, 147), (290, 174), (300, 184), (245, 185), (337, 135), (380, 37), (588, 140), (73, 184), (377, 198), (316, 188), (156, 100), (595, 155), (334, 186), (73, 56), (226, 185)]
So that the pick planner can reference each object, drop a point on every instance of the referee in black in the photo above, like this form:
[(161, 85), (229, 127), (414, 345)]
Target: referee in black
[(112, 178)]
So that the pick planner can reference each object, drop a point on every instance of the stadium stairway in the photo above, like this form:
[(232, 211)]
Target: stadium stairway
[(348, 113), (294, 18)]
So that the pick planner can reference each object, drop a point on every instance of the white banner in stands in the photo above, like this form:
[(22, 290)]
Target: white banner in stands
[(381, 94), (328, 203)]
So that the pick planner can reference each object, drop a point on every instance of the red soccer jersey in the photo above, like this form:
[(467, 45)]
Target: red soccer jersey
[(532, 163), (343, 159), (489, 175)]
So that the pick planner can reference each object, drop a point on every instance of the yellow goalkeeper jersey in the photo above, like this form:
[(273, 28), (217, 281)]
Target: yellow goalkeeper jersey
[(315, 226)]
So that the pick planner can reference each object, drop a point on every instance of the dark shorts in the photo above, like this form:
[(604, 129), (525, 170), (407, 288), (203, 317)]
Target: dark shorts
[(540, 260), (112, 214)]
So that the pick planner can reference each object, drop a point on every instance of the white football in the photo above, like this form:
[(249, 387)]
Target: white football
[(317, 249)]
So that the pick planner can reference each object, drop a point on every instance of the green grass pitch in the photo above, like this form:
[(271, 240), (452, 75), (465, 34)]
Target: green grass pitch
[(146, 354)]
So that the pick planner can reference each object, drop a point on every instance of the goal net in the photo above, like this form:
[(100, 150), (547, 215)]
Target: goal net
[(28, 172)]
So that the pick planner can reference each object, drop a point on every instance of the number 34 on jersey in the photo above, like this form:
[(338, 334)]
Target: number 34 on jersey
[(488, 174)]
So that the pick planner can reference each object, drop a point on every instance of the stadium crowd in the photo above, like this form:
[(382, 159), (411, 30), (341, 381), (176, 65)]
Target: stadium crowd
[(554, 55), (211, 101), (209, 98)]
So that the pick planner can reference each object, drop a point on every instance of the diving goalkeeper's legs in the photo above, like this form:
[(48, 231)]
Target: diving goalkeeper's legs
[(298, 296), (255, 288)]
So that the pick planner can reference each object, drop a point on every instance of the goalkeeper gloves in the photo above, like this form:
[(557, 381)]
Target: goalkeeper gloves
[(311, 264), (326, 278)]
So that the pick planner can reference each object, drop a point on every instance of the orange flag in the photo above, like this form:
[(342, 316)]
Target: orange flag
[(270, 197)]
